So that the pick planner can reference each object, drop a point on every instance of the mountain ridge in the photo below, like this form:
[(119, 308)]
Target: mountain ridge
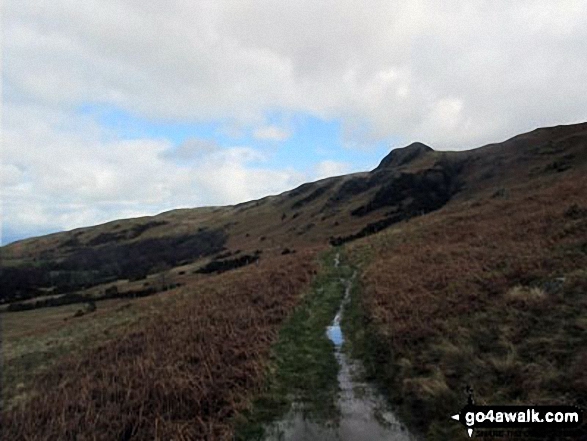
[(404, 155), (470, 272), (409, 182), (398, 156)]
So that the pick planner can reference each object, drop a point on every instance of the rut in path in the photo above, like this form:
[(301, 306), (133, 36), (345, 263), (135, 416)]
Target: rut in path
[(364, 413)]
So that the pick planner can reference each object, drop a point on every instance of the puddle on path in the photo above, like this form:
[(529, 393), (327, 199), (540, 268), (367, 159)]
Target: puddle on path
[(364, 412)]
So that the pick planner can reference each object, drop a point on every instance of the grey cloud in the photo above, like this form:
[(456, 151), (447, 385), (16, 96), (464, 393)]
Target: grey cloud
[(510, 65), (452, 74), (192, 149), (60, 176)]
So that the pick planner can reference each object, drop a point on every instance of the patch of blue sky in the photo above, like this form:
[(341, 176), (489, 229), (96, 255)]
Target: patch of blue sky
[(128, 126), (311, 139), (314, 140)]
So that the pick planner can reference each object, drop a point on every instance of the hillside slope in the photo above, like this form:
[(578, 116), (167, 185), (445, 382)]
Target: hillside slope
[(472, 270), (489, 294), (409, 182)]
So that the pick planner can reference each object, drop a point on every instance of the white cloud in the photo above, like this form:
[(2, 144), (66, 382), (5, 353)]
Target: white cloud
[(326, 169), (10, 175), (451, 74), (55, 177), (271, 133), (193, 149), (391, 65)]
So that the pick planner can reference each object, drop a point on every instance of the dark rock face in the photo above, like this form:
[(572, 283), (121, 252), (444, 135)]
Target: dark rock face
[(380, 176), (407, 195), (416, 193), (403, 156)]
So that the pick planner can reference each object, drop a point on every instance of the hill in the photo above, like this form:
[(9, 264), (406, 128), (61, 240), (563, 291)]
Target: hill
[(409, 182), (471, 272)]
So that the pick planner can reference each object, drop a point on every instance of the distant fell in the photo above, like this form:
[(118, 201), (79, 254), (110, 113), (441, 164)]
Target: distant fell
[(409, 182), (402, 156)]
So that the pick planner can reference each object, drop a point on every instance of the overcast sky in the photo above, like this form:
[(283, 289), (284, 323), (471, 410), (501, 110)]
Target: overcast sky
[(118, 108)]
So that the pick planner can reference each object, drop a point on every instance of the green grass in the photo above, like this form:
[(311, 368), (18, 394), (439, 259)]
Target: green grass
[(303, 368)]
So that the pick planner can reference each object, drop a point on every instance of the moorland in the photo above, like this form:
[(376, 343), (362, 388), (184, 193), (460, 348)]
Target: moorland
[(471, 273)]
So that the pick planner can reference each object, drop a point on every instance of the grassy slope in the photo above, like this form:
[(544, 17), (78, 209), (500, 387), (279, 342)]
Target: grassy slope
[(409, 182), (482, 293), (181, 373), (296, 218), (303, 368), (315, 211), (509, 233), (33, 341)]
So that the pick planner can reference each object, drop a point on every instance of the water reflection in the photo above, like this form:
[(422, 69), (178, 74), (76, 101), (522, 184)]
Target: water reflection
[(364, 413)]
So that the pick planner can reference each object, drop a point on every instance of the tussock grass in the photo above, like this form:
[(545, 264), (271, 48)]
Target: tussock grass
[(490, 295), (525, 295), (303, 369), (183, 373)]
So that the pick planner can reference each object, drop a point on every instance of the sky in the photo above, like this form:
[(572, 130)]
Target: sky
[(115, 109)]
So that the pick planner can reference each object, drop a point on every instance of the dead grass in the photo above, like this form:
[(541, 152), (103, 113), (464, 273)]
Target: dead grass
[(183, 373), (34, 340), (491, 294)]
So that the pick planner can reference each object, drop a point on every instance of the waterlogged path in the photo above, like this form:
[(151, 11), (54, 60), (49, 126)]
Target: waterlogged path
[(364, 414)]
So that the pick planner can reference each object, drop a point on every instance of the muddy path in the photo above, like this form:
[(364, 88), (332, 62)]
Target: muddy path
[(363, 414)]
